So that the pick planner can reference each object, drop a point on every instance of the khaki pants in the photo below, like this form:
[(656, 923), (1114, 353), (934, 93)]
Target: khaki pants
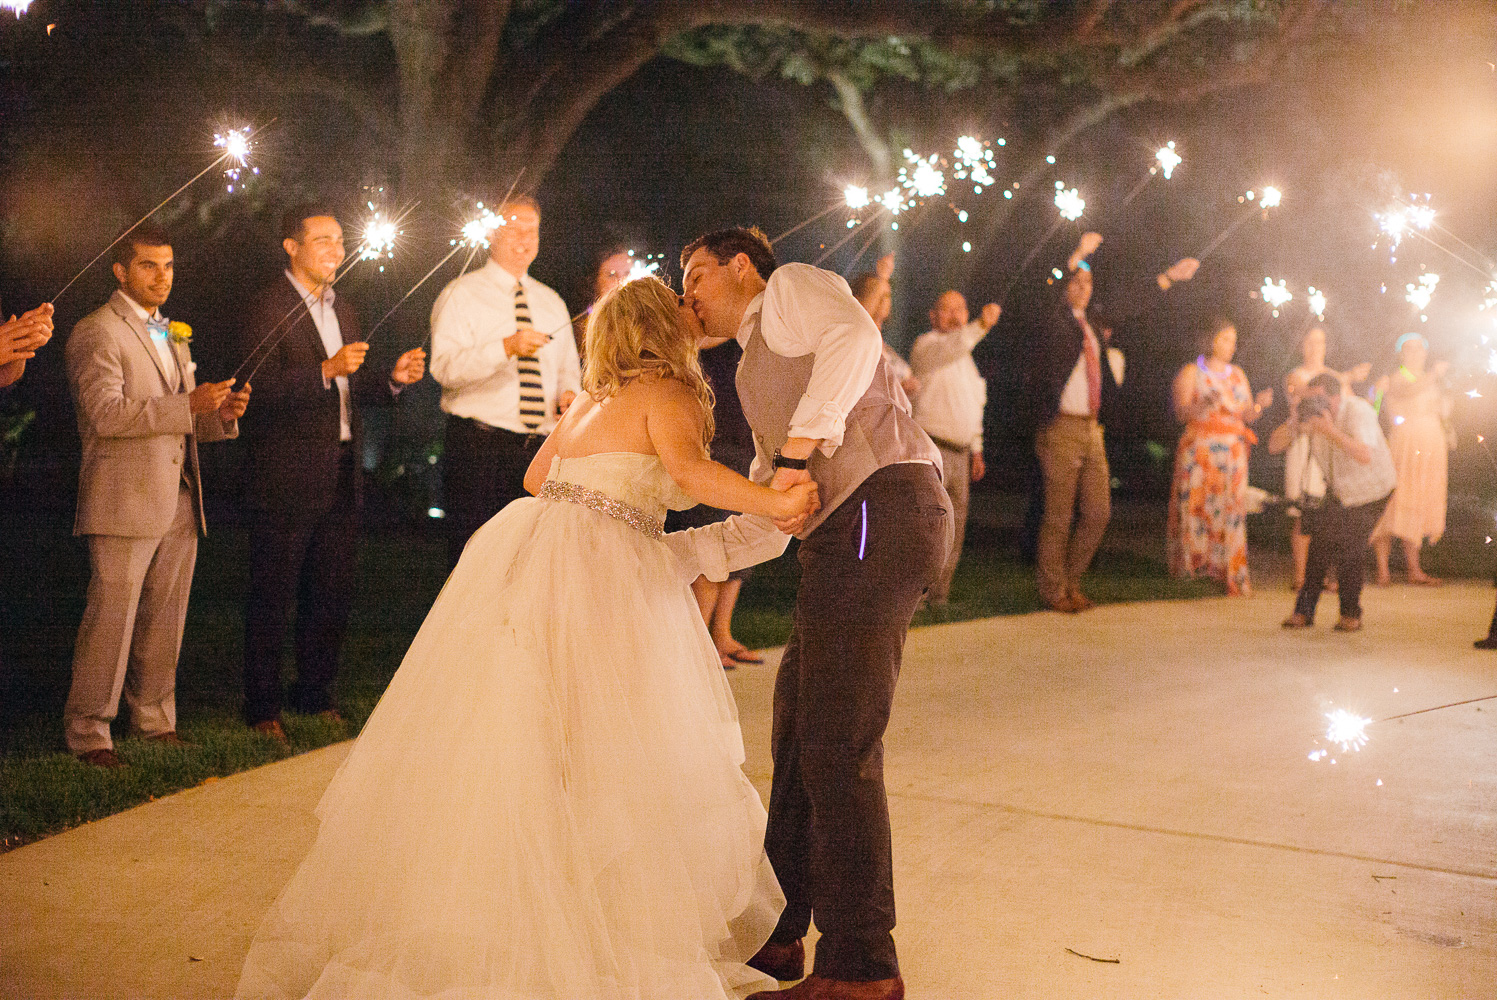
[(957, 478), (131, 632), (1077, 490)]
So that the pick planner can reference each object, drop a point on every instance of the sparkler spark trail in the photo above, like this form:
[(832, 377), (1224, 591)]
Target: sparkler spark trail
[(925, 181), (1070, 202), (1276, 296), (1419, 295), (19, 6), (840, 243), (1271, 197), (1168, 159), (819, 215), (1347, 729), (1316, 301), (973, 162), (227, 153), (236, 146)]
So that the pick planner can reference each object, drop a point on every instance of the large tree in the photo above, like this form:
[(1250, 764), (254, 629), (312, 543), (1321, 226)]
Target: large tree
[(486, 85)]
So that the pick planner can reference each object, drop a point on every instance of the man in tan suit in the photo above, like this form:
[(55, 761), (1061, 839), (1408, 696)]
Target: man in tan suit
[(140, 502)]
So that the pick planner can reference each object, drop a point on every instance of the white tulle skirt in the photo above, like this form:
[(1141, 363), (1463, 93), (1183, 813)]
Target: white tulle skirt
[(548, 801)]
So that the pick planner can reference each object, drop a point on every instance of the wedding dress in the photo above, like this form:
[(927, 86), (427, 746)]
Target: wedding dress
[(548, 802)]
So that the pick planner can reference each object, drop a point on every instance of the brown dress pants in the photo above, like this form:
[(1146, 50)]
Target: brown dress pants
[(863, 571), (1078, 491)]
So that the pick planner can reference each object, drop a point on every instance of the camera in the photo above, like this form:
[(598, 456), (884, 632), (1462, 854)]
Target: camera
[(1312, 406)]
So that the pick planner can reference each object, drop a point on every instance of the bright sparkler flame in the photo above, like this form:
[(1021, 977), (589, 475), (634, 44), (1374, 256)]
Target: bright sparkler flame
[(475, 232), (379, 238), (893, 200), (1276, 296), (1271, 197), (1316, 300), (1489, 297), (1168, 159), (1347, 729), (925, 181), (974, 161), (1070, 203), (236, 146), (1419, 296), (19, 6), (640, 268), (856, 197)]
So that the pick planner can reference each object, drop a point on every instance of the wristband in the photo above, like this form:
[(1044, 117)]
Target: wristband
[(781, 462)]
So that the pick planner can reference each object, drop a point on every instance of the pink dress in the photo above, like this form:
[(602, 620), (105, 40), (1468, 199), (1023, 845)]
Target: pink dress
[(1416, 510)]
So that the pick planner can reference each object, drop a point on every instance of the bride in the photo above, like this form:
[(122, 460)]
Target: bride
[(548, 801)]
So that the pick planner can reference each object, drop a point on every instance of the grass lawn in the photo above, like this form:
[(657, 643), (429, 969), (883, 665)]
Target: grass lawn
[(44, 790)]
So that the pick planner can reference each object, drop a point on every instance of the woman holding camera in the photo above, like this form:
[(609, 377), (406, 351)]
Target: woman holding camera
[(1207, 534)]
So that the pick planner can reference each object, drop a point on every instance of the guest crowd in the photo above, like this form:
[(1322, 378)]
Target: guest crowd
[(506, 356)]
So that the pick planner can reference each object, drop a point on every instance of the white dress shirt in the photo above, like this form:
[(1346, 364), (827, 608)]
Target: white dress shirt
[(320, 307), (163, 348), (1075, 398), (480, 380), (806, 310), (952, 392)]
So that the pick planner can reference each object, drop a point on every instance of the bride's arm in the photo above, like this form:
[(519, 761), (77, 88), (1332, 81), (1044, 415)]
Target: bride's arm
[(716, 550), (674, 423)]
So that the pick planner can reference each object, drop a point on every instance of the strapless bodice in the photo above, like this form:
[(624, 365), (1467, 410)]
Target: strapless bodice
[(631, 478)]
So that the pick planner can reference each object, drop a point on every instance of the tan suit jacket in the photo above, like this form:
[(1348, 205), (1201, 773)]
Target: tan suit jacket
[(137, 432)]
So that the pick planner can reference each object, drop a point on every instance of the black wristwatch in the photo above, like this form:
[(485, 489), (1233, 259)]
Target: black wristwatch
[(781, 462)]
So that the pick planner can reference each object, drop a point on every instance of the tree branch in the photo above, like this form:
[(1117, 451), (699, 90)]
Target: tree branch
[(856, 112)]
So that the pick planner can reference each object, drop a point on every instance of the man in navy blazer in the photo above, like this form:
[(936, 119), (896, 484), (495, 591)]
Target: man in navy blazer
[(304, 442)]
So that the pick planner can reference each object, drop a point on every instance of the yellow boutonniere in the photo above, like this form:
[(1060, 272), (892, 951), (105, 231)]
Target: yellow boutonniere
[(179, 332)]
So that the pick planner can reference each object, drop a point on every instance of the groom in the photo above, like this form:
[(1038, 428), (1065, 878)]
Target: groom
[(822, 405)]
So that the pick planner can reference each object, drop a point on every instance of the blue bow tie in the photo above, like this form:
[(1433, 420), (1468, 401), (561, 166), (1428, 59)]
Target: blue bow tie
[(157, 327)]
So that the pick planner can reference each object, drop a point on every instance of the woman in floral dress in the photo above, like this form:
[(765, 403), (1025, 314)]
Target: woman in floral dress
[(1207, 533)]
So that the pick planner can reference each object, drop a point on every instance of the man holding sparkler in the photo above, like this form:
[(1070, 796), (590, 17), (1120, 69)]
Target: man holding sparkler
[(951, 404), (506, 376), (140, 498), (305, 440), (1349, 446), (823, 406)]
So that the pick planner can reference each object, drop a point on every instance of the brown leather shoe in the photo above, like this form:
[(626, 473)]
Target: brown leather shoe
[(273, 729), (1081, 602), (1296, 620), (1348, 625), (171, 739), (819, 988), (785, 962), (103, 757)]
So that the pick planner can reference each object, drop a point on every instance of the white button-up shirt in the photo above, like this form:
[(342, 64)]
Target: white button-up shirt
[(805, 310), (325, 319), (1075, 398), (163, 348), (952, 392), (480, 380)]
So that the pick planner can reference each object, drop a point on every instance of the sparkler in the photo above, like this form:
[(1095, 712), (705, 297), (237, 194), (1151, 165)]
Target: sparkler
[(1069, 202), (18, 6), (1348, 730), (236, 146), (239, 149), (973, 161), (1166, 159), (1316, 301), (855, 196), (1271, 197), (1419, 295), (840, 243), (921, 176), (1277, 296)]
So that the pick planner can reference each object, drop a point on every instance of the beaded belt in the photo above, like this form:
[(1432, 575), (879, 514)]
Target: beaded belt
[(602, 503)]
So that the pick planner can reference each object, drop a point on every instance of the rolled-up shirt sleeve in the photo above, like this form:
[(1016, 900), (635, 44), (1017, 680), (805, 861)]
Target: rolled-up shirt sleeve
[(810, 311), (718, 549)]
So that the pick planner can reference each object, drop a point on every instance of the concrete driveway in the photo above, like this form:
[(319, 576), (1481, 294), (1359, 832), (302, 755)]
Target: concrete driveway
[(1117, 804)]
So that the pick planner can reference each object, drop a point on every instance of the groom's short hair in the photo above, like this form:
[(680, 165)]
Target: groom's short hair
[(725, 244)]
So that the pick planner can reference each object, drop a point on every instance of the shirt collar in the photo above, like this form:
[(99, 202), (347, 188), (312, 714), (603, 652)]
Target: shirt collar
[(753, 309), (327, 298), (138, 308), (499, 274)]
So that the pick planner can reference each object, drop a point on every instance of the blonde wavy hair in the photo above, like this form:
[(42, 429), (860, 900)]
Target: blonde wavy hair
[(634, 332)]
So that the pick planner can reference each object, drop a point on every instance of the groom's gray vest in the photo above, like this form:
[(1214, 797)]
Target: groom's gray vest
[(880, 429)]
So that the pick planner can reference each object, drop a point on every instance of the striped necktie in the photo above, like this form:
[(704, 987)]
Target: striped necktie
[(532, 393)]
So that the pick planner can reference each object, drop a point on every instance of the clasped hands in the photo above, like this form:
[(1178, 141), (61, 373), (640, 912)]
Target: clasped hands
[(22, 336), (798, 484), (219, 396)]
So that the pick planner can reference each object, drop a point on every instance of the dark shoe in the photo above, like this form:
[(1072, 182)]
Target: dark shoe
[(1297, 620), (104, 757), (1081, 602), (785, 962), (1490, 642), (273, 729), (171, 739), (1348, 625), (819, 988)]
